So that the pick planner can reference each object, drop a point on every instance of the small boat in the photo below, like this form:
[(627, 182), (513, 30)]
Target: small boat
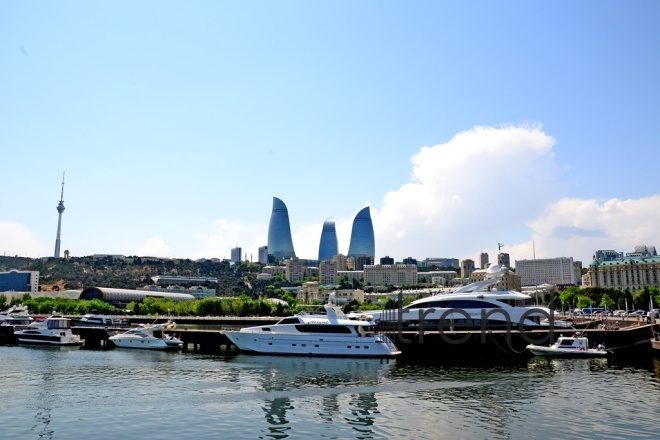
[(569, 346), (149, 337), (316, 334), (94, 320), (54, 330)]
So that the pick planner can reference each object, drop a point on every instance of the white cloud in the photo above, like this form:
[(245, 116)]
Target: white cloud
[(154, 247), (16, 239), (469, 193), (577, 228), (501, 185)]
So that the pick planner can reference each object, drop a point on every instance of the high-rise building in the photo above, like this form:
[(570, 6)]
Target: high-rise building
[(467, 267), (362, 236), (60, 210), (328, 272), (280, 244), (263, 254), (483, 260), (503, 259), (236, 255), (340, 259), (387, 260), (546, 271), (295, 270), (328, 245)]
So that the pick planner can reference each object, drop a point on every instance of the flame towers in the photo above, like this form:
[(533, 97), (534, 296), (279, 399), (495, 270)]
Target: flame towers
[(362, 236), (280, 244), (60, 210), (328, 245)]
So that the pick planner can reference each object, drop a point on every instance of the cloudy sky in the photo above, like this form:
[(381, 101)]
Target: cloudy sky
[(461, 124)]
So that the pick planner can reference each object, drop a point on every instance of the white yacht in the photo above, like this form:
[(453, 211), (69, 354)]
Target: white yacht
[(149, 337), (54, 330), (95, 320), (16, 315), (329, 334), (467, 307)]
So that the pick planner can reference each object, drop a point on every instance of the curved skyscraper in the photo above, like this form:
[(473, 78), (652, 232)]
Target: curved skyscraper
[(280, 245), (328, 245), (362, 236)]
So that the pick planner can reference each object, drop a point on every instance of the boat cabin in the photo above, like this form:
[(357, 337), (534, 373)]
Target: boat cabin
[(572, 342)]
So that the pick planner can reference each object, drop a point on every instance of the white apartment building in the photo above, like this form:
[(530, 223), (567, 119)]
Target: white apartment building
[(546, 271), (394, 274)]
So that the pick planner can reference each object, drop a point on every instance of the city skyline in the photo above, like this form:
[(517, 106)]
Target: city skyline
[(460, 126)]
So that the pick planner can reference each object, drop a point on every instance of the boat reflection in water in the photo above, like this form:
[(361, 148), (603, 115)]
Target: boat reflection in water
[(331, 384)]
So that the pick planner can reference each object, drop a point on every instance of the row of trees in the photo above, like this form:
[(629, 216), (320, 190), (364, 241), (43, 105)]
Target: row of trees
[(241, 306), (574, 297)]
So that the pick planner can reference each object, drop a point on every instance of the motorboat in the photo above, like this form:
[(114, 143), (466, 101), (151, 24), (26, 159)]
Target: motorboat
[(16, 315), (54, 330), (316, 334), (149, 337), (468, 307), (95, 320), (569, 346)]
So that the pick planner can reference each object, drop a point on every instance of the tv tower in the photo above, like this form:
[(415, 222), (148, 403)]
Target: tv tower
[(60, 209)]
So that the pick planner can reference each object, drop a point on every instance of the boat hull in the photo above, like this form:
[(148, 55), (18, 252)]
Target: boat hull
[(309, 345), (145, 343), (49, 340)]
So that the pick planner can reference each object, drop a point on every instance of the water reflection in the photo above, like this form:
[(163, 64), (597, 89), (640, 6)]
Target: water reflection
[(333, 385)]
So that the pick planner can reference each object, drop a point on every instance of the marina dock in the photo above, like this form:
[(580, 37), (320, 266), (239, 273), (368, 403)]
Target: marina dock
[(628, 340)]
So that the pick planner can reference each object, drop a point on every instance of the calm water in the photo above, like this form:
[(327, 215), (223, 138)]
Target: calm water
[(73, 393)]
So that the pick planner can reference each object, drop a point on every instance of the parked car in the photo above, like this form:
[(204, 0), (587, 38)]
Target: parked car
[(619, 313), (637, 313)]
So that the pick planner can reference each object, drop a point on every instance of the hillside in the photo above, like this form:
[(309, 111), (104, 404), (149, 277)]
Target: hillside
[(79, 273)]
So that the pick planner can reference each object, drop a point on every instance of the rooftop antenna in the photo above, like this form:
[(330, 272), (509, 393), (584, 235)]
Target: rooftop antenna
[(60, 210)]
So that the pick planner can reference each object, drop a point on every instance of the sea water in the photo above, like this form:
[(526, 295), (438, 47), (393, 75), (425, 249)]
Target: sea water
[(64, 393)]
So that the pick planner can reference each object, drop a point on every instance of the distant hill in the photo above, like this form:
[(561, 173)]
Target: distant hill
[(133, 272)]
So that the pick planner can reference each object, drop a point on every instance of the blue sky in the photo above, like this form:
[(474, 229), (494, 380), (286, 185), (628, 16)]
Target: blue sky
[(462, 124)]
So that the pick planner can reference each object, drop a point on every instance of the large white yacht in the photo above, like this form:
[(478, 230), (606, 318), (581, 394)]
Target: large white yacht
[(149, 337), (467, 307), (54, 330), (16, 315), (95, 320), (329, 334)]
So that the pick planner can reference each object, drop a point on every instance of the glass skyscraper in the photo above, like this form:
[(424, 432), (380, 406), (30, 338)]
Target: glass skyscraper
[(362, 236), (280, 244), (328, 245)]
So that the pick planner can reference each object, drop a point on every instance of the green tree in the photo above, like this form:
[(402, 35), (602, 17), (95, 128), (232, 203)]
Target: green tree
[(568, 296), (607, 302), (583, 301), (3, 301)]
